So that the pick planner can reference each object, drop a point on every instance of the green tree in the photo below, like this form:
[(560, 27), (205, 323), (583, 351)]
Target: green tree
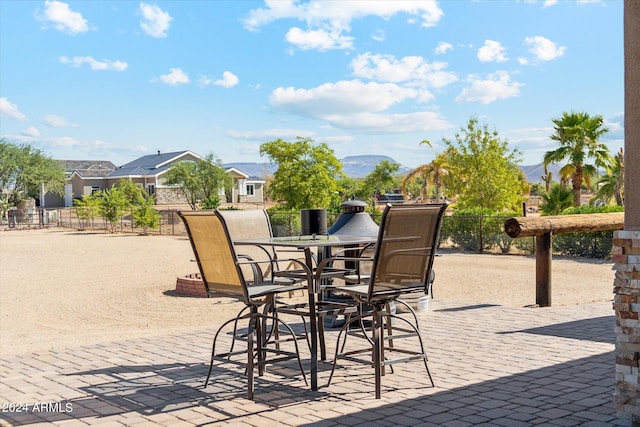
[(87, 209), (114, 204), (133, 192), (611, 184), (382, 179), (432, 174), (307, 175), (578, 135), (140, 204), (145, 215), (25, 172), (486, 172), (556, 200), (199, 180)]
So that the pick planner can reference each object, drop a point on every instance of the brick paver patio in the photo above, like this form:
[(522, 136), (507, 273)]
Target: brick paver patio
[(493, 365)]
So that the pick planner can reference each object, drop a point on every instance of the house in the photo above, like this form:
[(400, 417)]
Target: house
[(83, 177), (87, 177)]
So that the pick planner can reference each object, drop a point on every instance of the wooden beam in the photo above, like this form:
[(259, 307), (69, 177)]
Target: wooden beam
[(527, 226), (544, 227)]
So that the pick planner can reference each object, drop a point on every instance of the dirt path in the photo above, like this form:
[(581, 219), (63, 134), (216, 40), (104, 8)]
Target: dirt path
[(60, 287)]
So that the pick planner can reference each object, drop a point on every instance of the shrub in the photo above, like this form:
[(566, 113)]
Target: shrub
[(145, 215), (211, 202), (594, 244), (493, 232), (464, 229), (284, 222)]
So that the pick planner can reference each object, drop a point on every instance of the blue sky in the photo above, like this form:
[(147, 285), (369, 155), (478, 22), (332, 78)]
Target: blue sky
[(115, 80)]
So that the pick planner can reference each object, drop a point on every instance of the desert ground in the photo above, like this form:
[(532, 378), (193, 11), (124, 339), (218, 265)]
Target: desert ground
[(62, 287)]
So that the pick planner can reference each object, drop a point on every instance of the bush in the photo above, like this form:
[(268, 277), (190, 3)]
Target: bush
[(211, 202), (284, 222), (525, 244), (493, 232), (595, 244), (464, 229)]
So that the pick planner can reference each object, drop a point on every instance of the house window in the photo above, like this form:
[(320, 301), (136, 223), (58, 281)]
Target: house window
[(151, 189), (95, 189), (251, 190)]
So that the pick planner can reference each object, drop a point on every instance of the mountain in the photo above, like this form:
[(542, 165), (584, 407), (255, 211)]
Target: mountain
[(534, 173), (255, 170), (353, 166), (361, 166)]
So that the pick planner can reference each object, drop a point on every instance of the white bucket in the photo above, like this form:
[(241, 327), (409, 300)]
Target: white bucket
[(423, 303)]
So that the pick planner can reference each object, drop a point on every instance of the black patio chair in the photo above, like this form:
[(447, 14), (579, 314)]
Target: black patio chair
[(401, 266), (222, 272)]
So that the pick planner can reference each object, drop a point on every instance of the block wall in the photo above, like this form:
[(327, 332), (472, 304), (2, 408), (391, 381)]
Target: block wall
[(626, 303)]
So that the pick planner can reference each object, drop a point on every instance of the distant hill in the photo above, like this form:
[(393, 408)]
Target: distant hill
[(361, 166), (255, 170), (534, 173), (353, 166)]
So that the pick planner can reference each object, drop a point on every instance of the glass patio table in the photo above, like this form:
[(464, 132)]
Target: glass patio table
[(323, 245)]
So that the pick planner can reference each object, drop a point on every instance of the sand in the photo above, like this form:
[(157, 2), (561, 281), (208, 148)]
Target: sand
[(61, 288)]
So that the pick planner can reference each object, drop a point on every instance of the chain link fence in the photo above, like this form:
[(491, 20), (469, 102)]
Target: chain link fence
[(474, 233)]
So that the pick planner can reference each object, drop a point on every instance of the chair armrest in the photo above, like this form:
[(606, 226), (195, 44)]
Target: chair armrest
[(302, 272)]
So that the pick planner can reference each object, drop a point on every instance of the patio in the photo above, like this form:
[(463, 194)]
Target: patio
[(493, 365)]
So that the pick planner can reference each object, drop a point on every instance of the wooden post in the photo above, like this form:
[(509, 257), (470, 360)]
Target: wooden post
[(542, 228), (543, 270)]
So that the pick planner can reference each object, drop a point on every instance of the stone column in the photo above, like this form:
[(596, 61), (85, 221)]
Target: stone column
[(626, 243), (632, 114)]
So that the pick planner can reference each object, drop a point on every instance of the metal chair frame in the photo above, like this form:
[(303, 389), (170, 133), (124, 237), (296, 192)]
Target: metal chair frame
[(222, 272), (402, 264)]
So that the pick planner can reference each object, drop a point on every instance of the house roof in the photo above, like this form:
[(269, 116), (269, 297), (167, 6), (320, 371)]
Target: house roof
[(88, 168), (152, 164)]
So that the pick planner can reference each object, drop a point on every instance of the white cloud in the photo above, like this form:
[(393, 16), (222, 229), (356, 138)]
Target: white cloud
[(343, 97), (63, 18), (327, 20), (55, 121), (485, 91), (615, 124), (270, 134), (532, 142), (342, 11), (11, 110), (228, 80), (155, 21), (94, 64), (408, 69), (443, 47), (543, 48), (379, 35), (318, 39), (175, 77), (31, 132), (492, 51), (358, 106), (425, 121)]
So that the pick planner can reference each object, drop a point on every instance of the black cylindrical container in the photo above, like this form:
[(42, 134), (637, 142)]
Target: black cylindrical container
[(313, 221)]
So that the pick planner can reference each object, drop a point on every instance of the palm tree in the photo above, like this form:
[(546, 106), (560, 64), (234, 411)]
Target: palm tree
[(556, 200), (611, 185), (578, 135), (432, 173)]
